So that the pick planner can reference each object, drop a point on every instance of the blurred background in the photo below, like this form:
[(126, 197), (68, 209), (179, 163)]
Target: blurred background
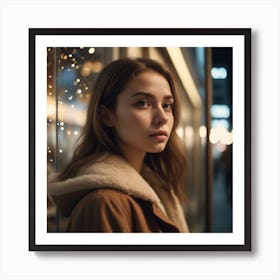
[(203, 78)]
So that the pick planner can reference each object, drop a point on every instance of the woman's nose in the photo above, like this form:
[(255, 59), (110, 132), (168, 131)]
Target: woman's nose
[(160, 116)]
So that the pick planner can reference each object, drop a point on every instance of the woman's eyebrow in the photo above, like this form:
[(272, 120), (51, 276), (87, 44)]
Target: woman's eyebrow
[(149, 95), (142, 93)]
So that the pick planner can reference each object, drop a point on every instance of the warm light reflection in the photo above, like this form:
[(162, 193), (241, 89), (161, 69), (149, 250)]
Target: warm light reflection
[(186, 134), (91, 67), (76, 117), (180, 132), (220, 135), (188, 131), (91, 51), (221, 147), (185, 75), (202, 131)]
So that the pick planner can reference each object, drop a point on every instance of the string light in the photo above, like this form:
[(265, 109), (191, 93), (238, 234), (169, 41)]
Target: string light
[(77, 68), (91, 51)]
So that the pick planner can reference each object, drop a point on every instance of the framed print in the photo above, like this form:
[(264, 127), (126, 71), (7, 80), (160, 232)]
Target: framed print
[(154, 157)]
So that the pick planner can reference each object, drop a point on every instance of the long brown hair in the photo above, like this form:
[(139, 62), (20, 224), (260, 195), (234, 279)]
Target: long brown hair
[(97, 138)]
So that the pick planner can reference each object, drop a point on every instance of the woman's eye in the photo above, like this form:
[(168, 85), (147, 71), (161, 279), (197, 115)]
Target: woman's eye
[(167, 106), (142, 103)]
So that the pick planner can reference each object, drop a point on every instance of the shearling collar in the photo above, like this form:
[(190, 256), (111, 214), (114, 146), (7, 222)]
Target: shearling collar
[(113, 171)]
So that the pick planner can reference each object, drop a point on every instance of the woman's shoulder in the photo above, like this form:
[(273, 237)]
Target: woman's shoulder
[(108, 193), (108, 198), (104, 210)]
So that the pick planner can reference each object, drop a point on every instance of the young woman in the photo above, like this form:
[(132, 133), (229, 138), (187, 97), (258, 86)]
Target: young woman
[(126, 175)]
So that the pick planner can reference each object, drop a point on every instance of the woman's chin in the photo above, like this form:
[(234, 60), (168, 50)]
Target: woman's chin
[(158, 148)]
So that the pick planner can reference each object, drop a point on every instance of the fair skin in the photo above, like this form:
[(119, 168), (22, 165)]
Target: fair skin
[(143, 119)]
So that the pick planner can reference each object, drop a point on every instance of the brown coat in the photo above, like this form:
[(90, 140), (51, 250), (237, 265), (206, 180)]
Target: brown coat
[(109, 210), (110, 196)]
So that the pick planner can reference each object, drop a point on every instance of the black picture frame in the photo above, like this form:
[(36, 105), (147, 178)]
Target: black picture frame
[(33, 159)]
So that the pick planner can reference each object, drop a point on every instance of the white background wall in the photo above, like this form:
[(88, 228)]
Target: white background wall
[(17, 262)]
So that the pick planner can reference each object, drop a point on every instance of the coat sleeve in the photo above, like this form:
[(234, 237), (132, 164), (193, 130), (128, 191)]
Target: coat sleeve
[(99, 212)]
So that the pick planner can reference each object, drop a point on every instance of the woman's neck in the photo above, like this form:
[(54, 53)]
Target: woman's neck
[(134, 158)]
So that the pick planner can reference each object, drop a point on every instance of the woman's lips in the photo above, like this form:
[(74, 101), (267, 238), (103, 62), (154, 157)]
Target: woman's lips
[(159, 135)]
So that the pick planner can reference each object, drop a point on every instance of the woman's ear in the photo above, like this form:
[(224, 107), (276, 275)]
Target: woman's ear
[(106, 116)]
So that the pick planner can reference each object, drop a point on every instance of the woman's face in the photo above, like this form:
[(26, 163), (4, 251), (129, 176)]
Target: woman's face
[(143, 118)]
